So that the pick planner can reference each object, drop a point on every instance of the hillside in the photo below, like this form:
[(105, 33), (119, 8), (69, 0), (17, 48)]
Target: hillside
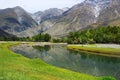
[(59, 22), (15, 20), (88, 14)]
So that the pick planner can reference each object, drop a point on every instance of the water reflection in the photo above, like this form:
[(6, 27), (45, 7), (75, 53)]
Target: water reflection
[(73, 60), (42, 48)]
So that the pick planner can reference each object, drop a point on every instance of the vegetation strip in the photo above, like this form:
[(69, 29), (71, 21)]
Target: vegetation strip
[(16, 67), (112, 52)]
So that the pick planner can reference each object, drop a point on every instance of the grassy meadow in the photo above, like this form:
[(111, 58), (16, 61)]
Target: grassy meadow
[(94, 49), (16, 67)]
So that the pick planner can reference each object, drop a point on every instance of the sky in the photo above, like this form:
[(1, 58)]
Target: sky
[(38, 5)]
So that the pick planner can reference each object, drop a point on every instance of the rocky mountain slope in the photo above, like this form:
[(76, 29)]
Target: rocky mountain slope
[(110, 15), (17, 21), (59, 22), (88, 14), (4, 34), (41, 16), (46, 19)]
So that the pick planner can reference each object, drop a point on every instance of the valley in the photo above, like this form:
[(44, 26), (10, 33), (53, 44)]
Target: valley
[(59, 22), (81, 42)]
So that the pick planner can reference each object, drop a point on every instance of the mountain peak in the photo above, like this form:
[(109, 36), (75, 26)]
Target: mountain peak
[(18, 8), (65, 8), (19, 12)]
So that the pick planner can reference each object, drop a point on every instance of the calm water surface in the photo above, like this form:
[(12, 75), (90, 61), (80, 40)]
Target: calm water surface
[(59, 56)]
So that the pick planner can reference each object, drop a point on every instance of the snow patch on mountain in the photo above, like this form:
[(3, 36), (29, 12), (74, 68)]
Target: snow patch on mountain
[(98, 5)]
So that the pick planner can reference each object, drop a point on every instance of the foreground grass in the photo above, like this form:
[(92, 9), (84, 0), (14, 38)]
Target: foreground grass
[(105, 51), (16, 67)]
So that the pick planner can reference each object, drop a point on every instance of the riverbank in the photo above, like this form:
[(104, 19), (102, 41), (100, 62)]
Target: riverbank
[(16, 67), (111, 50)]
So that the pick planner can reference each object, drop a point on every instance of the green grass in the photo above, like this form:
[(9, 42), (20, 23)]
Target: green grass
[(16, 67), (93, 49)]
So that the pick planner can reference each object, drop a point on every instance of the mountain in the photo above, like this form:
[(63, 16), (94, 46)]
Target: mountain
[(47, 14), (65, 9), (37, 16), (76, 18), (4, 34), (16, 20), (46, 19), (88, 14), (110, 15), (59, 22)]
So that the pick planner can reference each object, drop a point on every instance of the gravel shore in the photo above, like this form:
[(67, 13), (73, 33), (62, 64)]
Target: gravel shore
[(108, 45)]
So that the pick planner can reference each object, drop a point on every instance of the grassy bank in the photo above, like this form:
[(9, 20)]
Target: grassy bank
[(16, 67), (94, 49)]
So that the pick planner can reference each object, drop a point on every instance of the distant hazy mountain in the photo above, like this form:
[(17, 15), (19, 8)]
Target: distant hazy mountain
[(48, 14), (15, 20), (37, 16), (65, 9), (48, 18)]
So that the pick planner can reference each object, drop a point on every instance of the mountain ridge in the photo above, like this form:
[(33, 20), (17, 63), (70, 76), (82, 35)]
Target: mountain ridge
[(83, 16), (59, 22)]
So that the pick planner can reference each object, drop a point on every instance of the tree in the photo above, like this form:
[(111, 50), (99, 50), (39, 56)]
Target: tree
[(47, 37), (98, 35)]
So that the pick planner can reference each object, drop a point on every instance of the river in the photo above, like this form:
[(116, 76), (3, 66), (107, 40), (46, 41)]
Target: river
[(83, 62)]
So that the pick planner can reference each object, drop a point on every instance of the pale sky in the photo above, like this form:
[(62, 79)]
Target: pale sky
[(38, 5)]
